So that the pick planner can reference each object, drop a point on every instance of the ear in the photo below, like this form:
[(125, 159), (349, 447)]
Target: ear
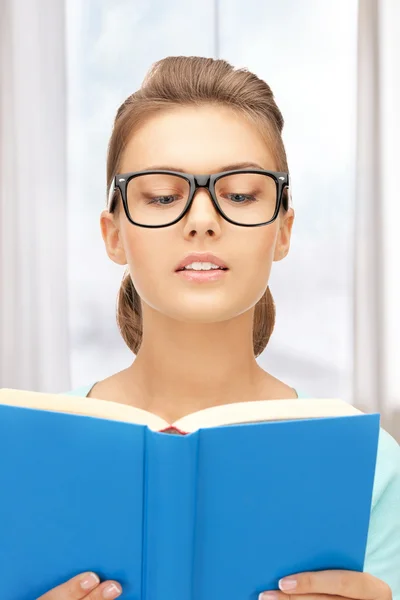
[(110, 230), (284, 234)]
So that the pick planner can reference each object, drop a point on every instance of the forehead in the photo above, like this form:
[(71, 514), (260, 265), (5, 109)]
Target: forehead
[(196, 139)]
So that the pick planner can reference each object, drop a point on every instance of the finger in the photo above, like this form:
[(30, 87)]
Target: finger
[(348, 584), (85, 585), (108, 590)]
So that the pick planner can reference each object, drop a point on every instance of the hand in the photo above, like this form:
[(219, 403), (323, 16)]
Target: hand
[(86, 585), (325, 585)]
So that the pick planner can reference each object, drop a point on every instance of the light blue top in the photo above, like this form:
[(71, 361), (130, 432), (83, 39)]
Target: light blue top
[(382, 557), (85, 389)]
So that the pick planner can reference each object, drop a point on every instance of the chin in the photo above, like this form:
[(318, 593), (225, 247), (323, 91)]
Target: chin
[(212, 312)]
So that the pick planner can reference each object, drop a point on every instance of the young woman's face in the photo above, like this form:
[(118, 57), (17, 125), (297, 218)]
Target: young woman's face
[(197, 140)]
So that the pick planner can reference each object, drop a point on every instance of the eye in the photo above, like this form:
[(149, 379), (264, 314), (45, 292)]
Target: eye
[(236, 198), (160, 199)]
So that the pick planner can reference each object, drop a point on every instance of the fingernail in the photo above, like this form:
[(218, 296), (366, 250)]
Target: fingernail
[(111, 591), (268, 596), (287, 584), (90, 581)]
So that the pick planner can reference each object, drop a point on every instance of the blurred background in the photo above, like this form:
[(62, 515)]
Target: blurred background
[(334, 68)]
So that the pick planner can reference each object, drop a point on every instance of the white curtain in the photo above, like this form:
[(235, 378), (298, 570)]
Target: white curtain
[(34, 352), (377, 215)]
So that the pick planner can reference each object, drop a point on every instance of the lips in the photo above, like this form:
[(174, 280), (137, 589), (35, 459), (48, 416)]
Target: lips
[(203, 276)]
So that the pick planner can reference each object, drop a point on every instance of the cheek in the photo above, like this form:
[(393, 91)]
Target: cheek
[(256, 253), (255, 267), (147, 256)]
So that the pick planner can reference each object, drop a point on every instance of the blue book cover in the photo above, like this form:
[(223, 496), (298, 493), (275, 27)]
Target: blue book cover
[(222, 512)]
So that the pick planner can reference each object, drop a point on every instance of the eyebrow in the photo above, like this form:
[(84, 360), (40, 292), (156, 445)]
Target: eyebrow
[(232, 167)]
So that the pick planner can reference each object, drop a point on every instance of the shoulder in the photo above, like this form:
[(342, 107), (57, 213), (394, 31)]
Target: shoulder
[(81, 391), (382, 557), (387, 472)]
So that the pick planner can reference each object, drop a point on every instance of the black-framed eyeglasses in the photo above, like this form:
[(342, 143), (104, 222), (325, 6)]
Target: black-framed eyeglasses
[(159, 198)]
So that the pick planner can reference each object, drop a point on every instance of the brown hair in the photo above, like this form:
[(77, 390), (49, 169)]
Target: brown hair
[(184, 81)]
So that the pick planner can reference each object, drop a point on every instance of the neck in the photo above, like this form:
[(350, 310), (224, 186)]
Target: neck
[(184, 367)]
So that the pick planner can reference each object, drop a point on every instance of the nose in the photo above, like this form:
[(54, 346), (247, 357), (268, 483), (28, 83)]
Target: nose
[(203, 216)]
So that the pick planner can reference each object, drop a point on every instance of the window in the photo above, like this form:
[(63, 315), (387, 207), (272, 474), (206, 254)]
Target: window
[(306, 51)]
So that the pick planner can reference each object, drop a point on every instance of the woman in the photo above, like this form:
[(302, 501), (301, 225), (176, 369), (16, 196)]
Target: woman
[(194, 305)]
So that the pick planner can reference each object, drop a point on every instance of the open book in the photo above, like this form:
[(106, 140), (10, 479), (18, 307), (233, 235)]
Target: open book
[(254, 492), (225, 414)]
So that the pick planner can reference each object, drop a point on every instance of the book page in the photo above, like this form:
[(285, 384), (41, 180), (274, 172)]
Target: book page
[(225, 414), (265, 410), (91, 407)]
